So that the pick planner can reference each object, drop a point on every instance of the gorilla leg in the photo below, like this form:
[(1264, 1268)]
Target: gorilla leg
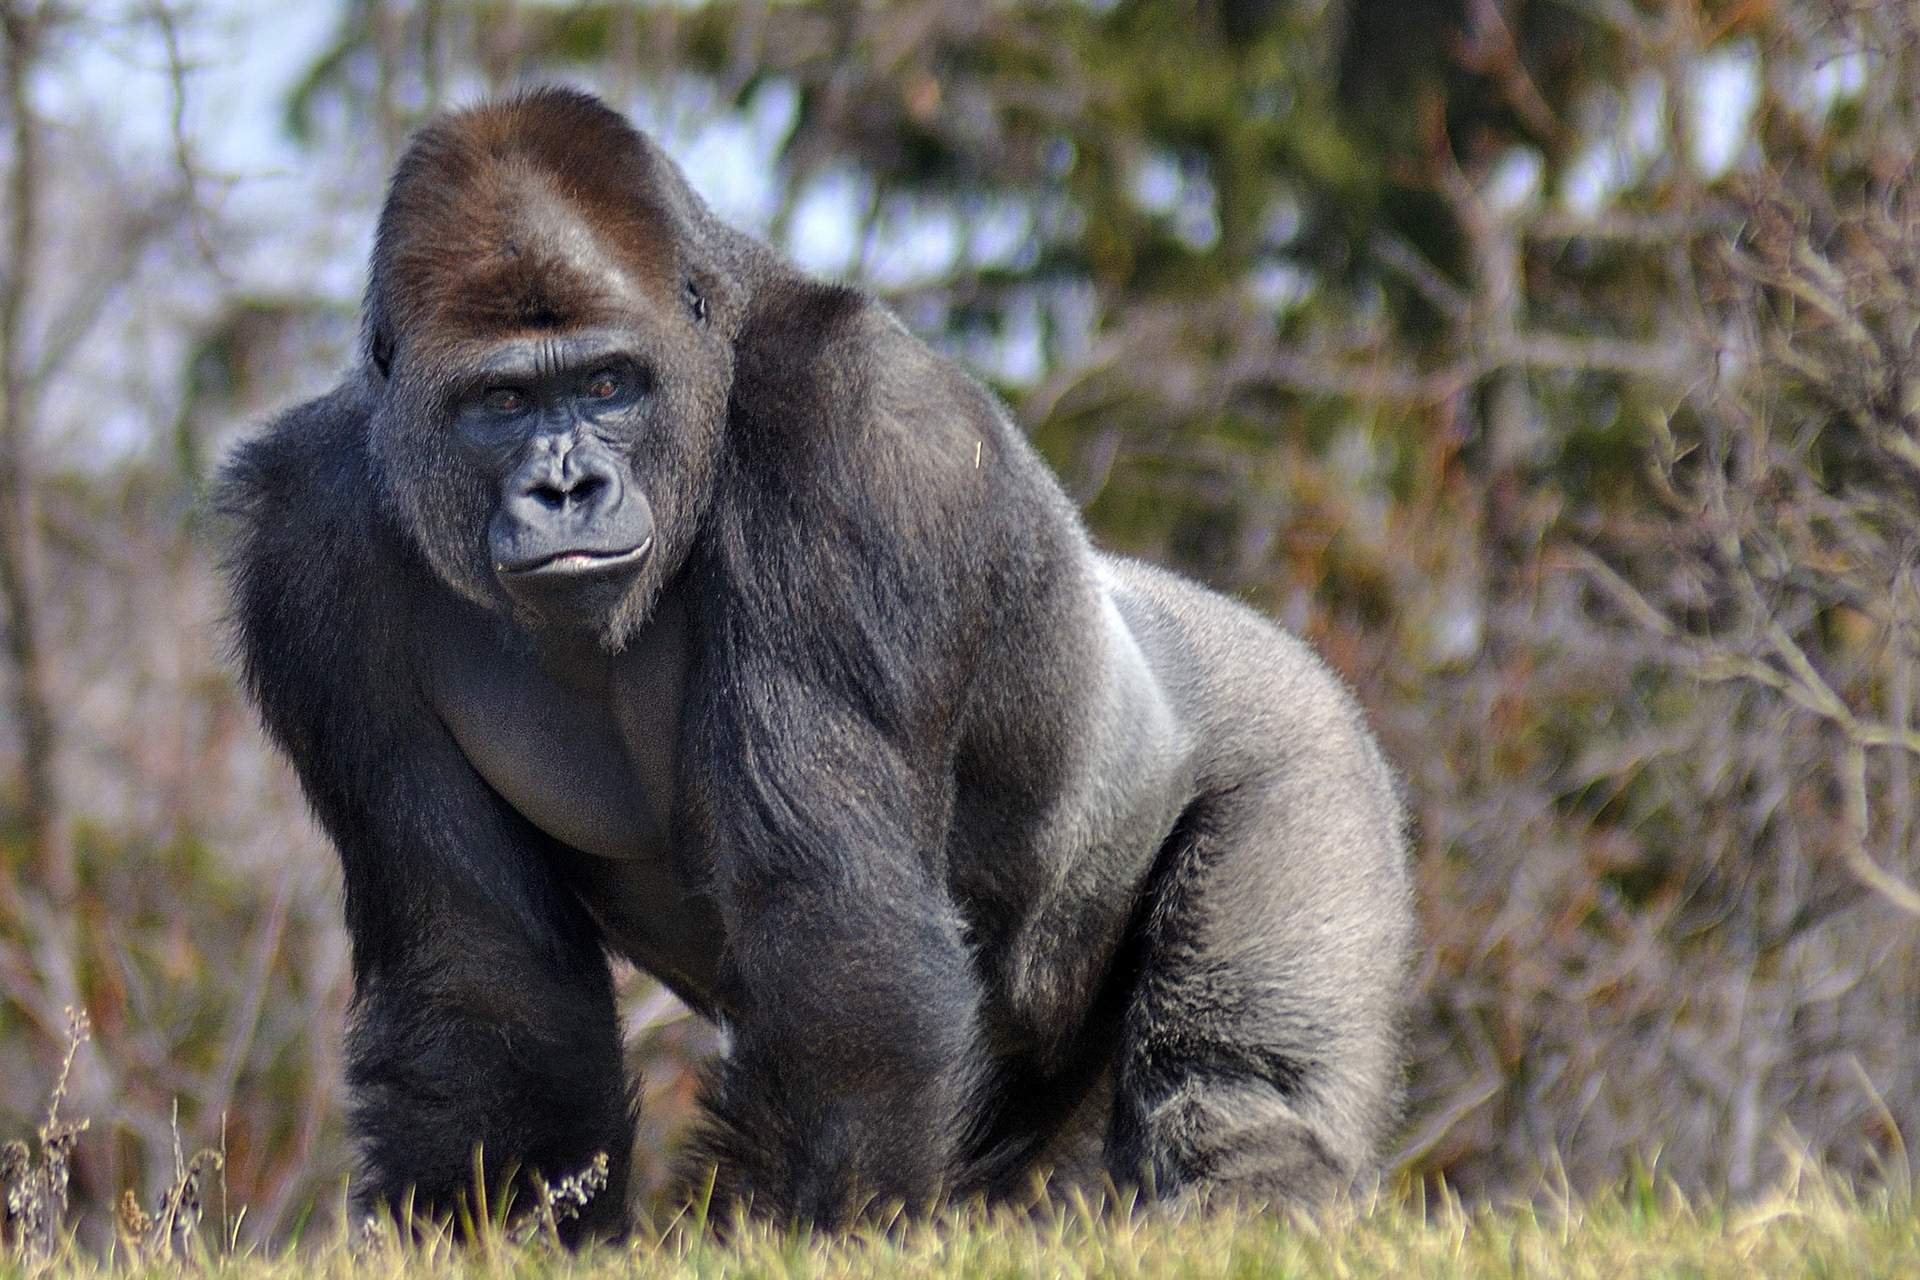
[(1257, 1059)]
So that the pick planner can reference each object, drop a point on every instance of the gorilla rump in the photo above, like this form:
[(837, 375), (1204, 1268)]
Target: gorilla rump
[(635, 593)]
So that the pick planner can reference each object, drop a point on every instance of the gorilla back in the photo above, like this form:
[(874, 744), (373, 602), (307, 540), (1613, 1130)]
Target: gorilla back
[(636, 593)]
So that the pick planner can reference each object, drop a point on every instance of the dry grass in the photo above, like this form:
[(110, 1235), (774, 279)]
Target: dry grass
[(1813, 1227), (1813, 1224)]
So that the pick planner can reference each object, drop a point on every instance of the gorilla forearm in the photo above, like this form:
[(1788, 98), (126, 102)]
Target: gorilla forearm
[(840, 1097), (483, 1032), (445, 1083)]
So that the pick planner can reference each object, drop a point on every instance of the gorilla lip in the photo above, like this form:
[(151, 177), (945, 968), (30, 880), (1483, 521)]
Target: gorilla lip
[(571, 562)]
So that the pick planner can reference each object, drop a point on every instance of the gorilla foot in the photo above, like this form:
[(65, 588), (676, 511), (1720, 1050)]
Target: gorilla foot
[(1210, 1146)]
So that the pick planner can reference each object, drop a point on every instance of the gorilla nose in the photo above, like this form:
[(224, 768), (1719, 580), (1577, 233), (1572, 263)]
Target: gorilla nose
[(566, 485), (568, 513)]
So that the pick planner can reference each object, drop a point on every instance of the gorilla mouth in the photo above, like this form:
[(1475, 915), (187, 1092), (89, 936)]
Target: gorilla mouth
[(576, 562)]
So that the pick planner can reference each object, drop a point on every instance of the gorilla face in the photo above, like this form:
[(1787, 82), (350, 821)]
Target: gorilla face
[(556, 421), (553, 384), (555, 475)]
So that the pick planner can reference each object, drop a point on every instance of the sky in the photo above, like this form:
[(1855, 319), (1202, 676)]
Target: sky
[(298, 220), (246, 57)]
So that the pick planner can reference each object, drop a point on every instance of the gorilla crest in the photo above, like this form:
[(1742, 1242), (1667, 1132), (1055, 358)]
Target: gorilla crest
[(635, 593)]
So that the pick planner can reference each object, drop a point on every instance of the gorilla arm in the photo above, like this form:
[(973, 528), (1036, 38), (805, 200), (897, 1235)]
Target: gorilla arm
[(483, 1010), (856, 1069), (842, 615)]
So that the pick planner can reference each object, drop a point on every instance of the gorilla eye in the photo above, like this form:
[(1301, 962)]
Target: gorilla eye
[(505, 400), (697, 302), (603, 386)]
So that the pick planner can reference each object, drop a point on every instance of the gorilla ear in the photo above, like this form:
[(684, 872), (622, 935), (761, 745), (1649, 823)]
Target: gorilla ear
[(696, 302), (376, 322), (380, 348)]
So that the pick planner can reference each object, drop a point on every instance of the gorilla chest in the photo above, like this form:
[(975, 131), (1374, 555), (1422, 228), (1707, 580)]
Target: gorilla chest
[(582, 743), (583, 746)]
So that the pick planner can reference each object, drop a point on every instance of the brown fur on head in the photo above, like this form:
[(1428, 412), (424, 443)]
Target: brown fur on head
[(537, 219), (519, 212)]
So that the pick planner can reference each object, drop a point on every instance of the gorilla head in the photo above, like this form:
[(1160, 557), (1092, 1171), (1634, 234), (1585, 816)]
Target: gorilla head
[(550, 314)]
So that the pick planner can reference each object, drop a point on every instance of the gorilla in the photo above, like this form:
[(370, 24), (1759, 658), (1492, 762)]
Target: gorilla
[(635, 593)]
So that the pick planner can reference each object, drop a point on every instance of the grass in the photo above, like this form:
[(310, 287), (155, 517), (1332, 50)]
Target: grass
[(1813, 1228), (1814, 1225)]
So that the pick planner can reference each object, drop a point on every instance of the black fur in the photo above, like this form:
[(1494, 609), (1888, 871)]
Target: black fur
[(958, 826)]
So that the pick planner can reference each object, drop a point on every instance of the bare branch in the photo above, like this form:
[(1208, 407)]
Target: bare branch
[(20, 533)]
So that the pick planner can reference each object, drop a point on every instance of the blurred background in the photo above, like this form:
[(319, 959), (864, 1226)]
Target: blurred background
[(1549, 363)]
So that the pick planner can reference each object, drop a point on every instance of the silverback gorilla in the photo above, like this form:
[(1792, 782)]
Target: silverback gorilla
[(635, 593)]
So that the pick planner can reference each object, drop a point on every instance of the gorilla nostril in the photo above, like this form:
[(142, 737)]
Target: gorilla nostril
[(549, 496), (587, 488)]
